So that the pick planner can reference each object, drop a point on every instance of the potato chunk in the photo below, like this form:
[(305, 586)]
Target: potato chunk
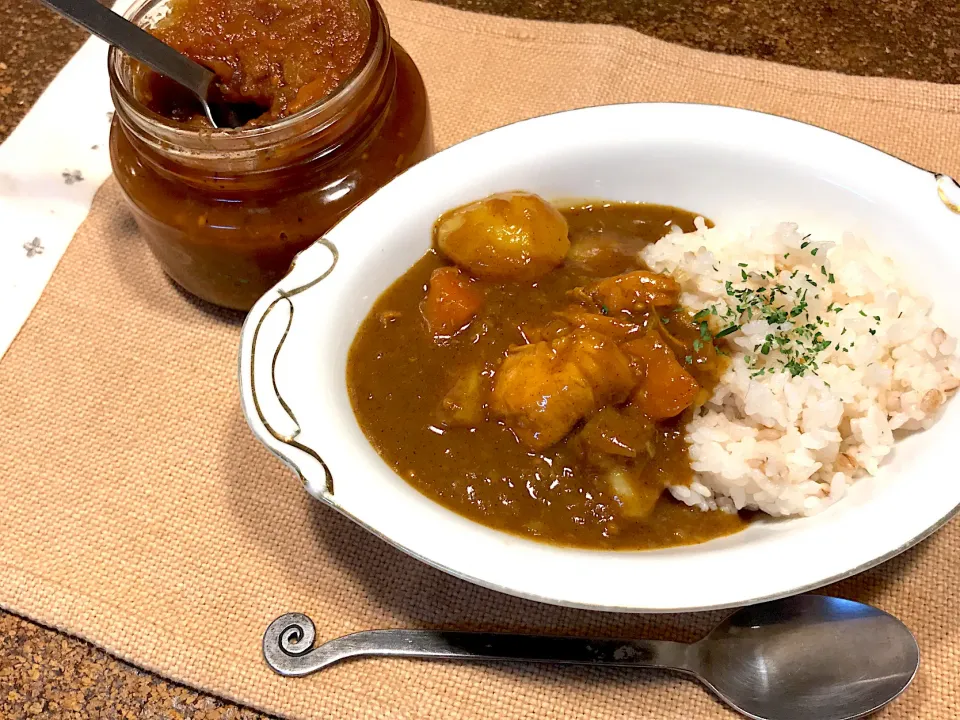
[(515, 235), (542, 390), (462, 406), (636, 495)]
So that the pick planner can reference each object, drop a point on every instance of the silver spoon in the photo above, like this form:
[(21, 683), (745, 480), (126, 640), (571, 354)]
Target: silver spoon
[(138, 43), (803, 657)]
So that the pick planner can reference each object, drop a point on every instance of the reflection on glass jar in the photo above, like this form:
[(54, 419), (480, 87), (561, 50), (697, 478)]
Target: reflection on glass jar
[(226, 211)]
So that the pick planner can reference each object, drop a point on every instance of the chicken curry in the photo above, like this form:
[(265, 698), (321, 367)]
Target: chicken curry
[(531, 374)]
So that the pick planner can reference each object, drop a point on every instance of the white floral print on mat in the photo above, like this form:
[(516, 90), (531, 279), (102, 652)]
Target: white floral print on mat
[(50, 168)]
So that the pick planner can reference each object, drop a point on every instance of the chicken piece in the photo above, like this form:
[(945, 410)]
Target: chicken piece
[(462, 406), (633, 290), (616, 328), (453, 300), (666, 389), (539, 396), (616, 445), (542, 390), (602, 255), (517, 236), (612, 435)]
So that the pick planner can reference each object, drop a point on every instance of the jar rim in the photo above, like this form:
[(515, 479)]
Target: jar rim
[(261, 135)]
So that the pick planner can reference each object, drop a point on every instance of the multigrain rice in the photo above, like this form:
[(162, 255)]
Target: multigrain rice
[(791, 442)]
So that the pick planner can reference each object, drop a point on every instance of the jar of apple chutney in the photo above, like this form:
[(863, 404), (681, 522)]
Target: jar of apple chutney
[(332, 108)]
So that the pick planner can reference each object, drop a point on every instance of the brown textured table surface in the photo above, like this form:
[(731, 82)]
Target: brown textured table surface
[(46, 674)]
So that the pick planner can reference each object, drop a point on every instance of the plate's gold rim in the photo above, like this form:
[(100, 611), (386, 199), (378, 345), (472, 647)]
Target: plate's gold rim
[(291, 439), (942, 182), (326, 496)]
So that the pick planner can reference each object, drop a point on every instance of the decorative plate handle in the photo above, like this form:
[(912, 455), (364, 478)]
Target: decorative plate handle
[(258, 393), (949, 192)]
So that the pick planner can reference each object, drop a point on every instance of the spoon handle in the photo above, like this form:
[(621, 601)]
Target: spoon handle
[(133, 40), (288, 648)]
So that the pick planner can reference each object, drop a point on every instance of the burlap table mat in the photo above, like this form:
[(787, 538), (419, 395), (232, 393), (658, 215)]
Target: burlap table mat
[(138, 512)]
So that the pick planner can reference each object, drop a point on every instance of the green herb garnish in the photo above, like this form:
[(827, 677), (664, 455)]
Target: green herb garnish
[(797, 338)]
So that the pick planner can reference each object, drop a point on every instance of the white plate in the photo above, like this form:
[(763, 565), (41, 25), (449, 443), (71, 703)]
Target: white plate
[(732, 165)]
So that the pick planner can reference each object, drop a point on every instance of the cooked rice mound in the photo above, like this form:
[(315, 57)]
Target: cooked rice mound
[(801, 414)]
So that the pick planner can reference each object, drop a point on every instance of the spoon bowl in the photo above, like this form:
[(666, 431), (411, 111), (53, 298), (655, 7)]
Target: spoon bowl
[(793, 659), (807, 657)]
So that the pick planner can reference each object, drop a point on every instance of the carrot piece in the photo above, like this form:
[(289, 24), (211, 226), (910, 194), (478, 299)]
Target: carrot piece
[(453, 300), (666, 389)]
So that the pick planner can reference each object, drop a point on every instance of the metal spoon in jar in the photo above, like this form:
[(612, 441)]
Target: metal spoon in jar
[(138, 43), (803, 657)]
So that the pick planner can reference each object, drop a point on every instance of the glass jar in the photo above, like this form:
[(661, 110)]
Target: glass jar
[(225, 212)]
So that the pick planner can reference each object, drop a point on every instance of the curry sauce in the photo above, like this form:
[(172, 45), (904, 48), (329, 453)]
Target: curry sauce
[(602, 483)]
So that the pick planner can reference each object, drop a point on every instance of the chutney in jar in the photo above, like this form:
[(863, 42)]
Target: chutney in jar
[(272, 58), (226, 211)]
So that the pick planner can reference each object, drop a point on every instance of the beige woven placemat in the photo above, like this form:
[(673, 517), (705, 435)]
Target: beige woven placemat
[(137, 511)]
